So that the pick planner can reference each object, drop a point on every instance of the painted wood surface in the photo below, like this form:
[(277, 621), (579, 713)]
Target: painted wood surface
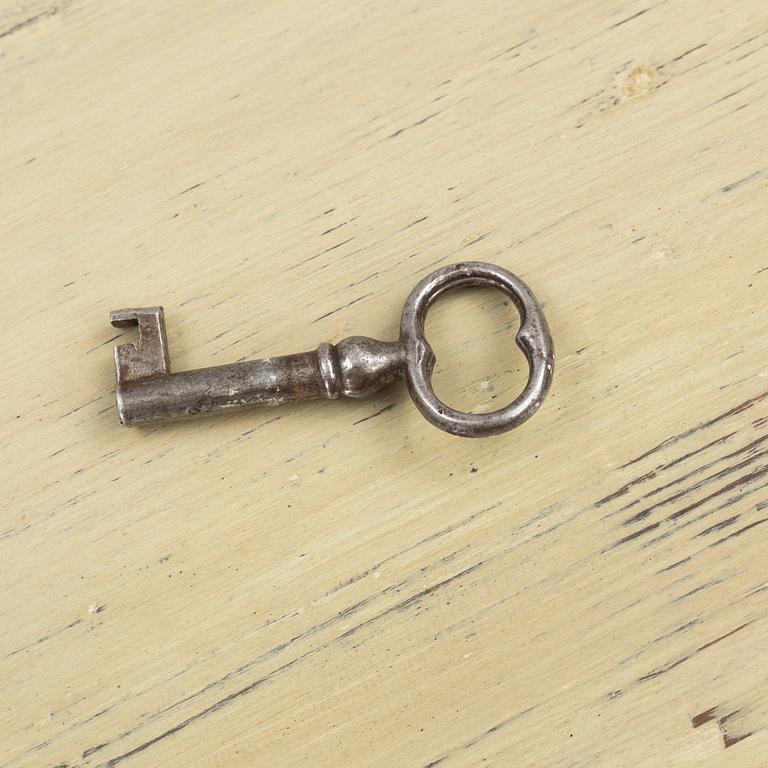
[(340, 584)]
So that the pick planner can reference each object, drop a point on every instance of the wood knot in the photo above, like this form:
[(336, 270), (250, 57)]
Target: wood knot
[(639, 81)]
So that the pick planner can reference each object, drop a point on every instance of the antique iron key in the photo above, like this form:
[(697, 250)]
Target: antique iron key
[(355, 367)]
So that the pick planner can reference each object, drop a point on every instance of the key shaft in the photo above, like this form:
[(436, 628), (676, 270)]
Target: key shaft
[(147, 391)]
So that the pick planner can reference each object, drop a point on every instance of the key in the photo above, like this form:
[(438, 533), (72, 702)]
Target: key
[(357, 366)]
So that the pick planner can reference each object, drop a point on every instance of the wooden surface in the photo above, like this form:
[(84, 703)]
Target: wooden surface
[(340, 584)]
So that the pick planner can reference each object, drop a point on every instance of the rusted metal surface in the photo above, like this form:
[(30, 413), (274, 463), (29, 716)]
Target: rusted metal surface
[(357, 366)]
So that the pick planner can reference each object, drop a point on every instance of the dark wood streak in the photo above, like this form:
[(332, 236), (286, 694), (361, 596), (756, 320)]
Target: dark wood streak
[(338, 309), (727, 96), (674, 565), (630, 18), (740, 532), (333, 229), (409, 601), (512, 48), (220, 704), (698, 589), (535, 63), (400, 131), (321, 253), (739, 182), (243, 436), (723, 637), (362, 280), (189, 189), (44, 638), (93, 750), (47, 14), (751, 53), (103, 343), (473, 241), (634, 535), (693, 430), (747, 41), (413, 223), (385, 409), (674, 664), (556, 223), (662, 638), (757, 590), (426, 540), (718, 526), (624, 490), (12, 533), (80, 407), (687, 53), (480, 737)]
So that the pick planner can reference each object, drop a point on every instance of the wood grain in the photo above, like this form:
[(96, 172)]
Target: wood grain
[(341, 584)]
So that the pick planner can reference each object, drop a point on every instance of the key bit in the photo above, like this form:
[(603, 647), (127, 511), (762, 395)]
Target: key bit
[(148, 357)]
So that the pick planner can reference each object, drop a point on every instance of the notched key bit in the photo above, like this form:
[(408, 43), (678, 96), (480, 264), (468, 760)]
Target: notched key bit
[(357, 366), (147, 357)]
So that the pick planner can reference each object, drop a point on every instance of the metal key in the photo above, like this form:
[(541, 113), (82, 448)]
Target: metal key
[(357, 366)]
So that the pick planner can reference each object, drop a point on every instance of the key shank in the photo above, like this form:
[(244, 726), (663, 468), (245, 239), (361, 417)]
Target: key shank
[(147, 391)]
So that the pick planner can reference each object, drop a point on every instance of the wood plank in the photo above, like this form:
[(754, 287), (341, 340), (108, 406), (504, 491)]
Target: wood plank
[(341, 584)]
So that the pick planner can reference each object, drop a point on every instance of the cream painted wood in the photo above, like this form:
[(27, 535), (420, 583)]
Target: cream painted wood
[(340, 584)]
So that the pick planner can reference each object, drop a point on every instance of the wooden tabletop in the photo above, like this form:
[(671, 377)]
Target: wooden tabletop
[(340, 584)]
